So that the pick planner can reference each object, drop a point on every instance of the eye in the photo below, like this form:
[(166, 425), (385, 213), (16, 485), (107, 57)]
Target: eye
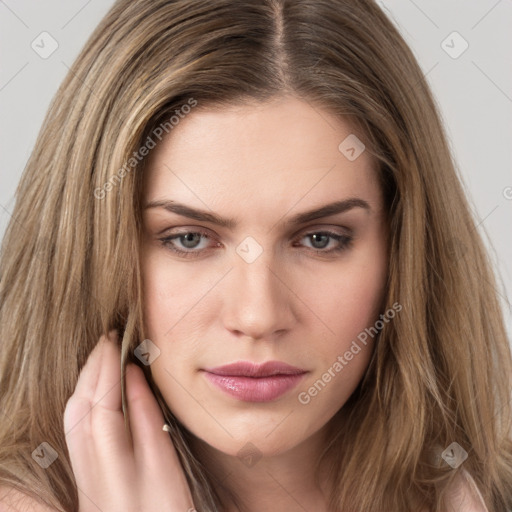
[(189, 240), (189, 244), (321, 239)]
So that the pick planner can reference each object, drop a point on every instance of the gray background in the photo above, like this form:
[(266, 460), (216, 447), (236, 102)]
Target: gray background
[(474, 92)]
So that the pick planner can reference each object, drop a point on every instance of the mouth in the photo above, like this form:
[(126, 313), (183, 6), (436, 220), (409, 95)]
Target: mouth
[(250, 382)]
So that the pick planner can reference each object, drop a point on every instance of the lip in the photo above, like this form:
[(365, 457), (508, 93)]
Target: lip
[(250, 369), (252, 382)]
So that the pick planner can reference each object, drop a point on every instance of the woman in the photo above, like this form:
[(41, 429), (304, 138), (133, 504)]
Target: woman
[(256, 201)]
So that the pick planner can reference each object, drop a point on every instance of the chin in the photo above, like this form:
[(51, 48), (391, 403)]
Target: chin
[(243, 444)]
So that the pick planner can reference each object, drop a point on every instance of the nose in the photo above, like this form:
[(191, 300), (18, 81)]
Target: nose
[(258, 300)]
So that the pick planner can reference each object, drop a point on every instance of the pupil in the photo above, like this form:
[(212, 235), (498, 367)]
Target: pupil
[(189, 240), (316, 238)]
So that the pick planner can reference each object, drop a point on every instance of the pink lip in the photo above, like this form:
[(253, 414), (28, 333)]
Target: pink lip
[(255, 382)]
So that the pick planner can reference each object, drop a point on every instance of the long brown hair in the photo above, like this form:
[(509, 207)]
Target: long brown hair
[(69, 266)]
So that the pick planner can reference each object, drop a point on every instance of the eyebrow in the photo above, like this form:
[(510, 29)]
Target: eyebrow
[(300, 218)]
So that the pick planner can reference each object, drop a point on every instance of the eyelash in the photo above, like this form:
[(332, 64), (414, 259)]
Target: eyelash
[(344, 241)]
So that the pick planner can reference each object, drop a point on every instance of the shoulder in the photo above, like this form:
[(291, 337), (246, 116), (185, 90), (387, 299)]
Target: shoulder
[(13, 500), (464, 495)]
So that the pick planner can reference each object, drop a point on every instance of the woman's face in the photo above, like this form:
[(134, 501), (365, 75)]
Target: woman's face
[(274, 283)]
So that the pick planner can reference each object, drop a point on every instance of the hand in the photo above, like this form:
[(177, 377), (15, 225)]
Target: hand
[(114, 472)]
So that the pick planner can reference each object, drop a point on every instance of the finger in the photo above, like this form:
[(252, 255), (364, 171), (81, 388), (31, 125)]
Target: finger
[(156, 458), (90, 371), (96, 402), (107, 419), (107, 392), (80, 402)]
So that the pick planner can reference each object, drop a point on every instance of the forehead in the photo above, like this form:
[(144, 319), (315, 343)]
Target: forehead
[(261, 156)]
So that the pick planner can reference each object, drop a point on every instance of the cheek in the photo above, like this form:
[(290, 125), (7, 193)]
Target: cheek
[(349, 304), (343, 358), (170, 291), (157, 298), (348, 298)]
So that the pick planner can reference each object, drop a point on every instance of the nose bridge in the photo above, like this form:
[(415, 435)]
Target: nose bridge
[(258, 278), (257, 303)]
